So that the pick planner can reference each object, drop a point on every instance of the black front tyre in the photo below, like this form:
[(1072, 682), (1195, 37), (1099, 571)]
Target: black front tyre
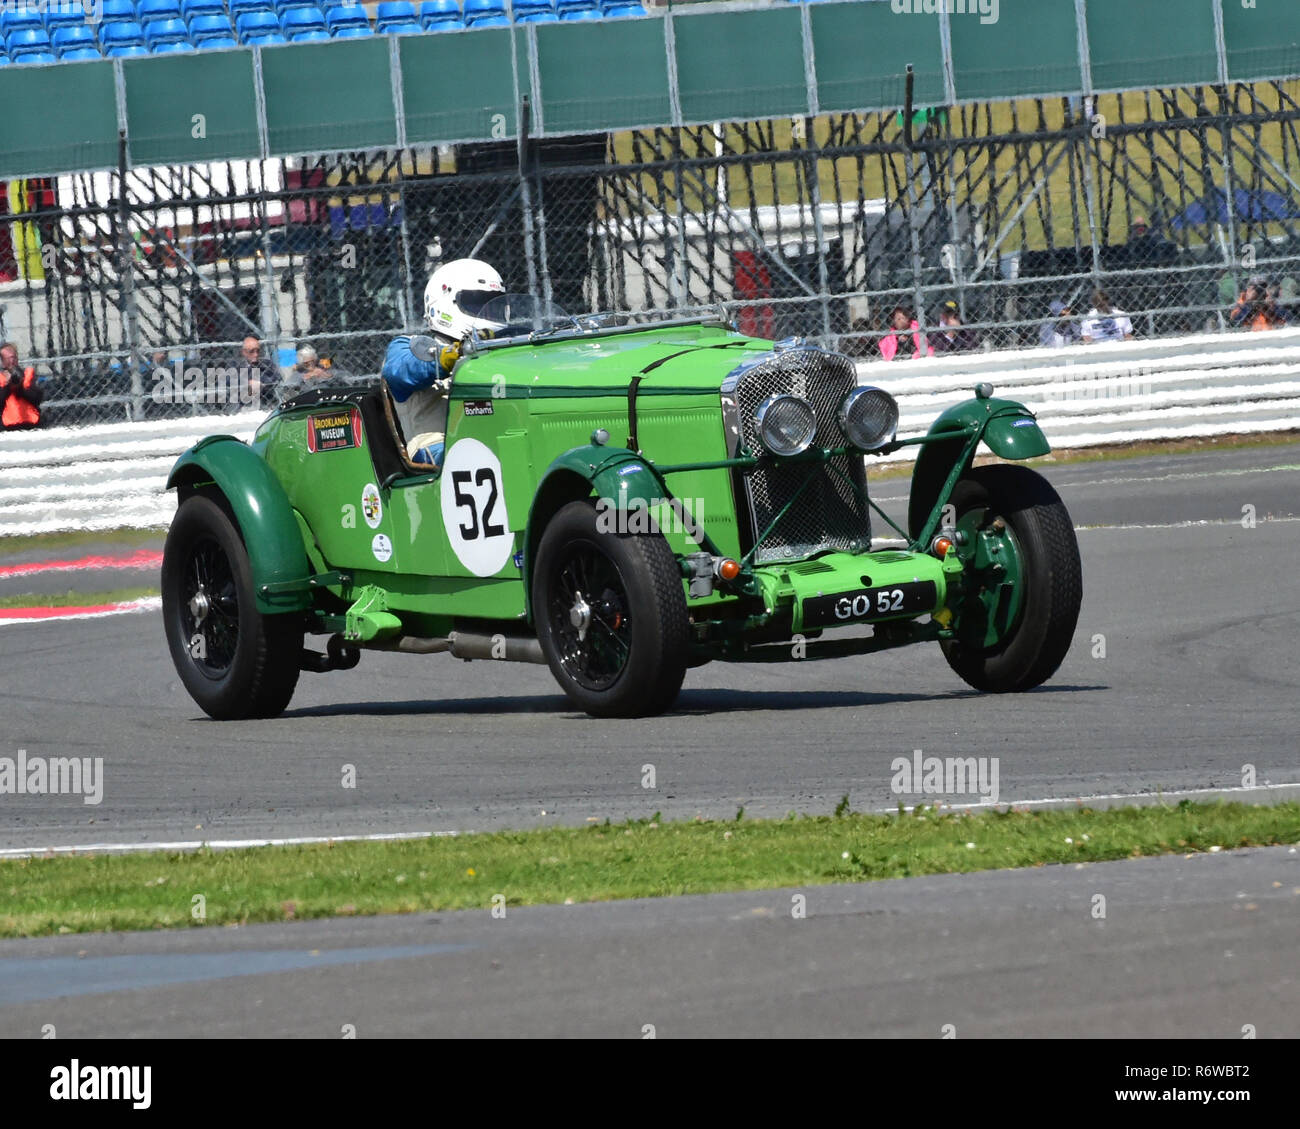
[(1023, 582), (236, 662), (611, 615)]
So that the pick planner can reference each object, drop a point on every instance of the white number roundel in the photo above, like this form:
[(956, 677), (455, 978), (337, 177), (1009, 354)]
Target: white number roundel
[(474, 508)]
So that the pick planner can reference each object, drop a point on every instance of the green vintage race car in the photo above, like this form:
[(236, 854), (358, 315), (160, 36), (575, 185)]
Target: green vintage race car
[(621, 502)]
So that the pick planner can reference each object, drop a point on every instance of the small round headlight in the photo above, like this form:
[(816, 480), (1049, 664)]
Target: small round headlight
[(786, 424), (869, 418)]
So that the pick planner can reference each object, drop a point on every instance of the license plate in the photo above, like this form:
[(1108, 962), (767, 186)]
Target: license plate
[(867, 604)]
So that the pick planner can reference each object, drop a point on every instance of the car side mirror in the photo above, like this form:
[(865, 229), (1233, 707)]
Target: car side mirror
[(424, 348)]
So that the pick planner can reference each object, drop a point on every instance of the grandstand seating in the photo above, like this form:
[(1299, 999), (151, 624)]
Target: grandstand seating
[(65, 30)]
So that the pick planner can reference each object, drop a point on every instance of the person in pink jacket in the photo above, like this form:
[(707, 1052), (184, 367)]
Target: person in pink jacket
[(898, 342)]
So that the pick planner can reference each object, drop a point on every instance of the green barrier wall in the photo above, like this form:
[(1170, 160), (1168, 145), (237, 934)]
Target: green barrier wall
[(579, 98), (57, 118), (861, 52), (322, 97), (188, 108), (682, 68), (458, 86)]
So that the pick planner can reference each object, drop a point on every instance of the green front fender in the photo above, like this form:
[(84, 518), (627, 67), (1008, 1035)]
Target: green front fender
[(1007, 427), (262, 511), (615, 473)]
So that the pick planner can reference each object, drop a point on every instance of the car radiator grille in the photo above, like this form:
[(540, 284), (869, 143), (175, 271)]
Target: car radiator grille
[(831, 510)]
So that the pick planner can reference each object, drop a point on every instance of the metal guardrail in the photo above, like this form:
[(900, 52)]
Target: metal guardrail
[(110, 476)]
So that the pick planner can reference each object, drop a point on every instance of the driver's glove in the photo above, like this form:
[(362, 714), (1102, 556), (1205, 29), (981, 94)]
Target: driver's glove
[(448, 355)]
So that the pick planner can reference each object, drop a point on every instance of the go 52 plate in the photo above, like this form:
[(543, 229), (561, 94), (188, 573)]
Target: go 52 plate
[(866, 604)]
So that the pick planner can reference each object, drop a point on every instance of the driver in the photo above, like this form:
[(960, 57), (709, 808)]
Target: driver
[(453, 298)]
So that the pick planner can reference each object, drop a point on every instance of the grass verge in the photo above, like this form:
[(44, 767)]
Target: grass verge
[(597, 863), (81, 538), (75, 599)]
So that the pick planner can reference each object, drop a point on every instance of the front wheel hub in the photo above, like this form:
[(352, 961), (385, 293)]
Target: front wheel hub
[(580, 616)]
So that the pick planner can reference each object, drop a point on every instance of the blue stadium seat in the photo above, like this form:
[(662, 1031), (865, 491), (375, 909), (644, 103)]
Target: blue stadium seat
[(175, 47), (217, 42), (569, 15), (152, 11), (393, 12), (121, 35), (353, 32), (4, 61), (439, 10), (36, 57), (26, 41), (80, 54), (116, 11), (621, 11), (282, 6), (21, 20), (445, 24), (346, 15), (192, 10), (67, 39), (402, 27), (298, 20), (265, 40), (64, 15), (542, 17), (248, 24), (127, 51), (523, 8), (166, 31), (477, 11), (310, 37), (566, 8), (203, 28), (244, 7)]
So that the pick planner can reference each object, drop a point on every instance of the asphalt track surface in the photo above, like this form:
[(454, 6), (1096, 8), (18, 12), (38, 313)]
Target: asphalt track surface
[(1197, 947), (1199, 678)]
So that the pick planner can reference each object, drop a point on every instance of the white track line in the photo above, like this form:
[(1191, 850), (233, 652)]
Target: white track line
[(130, 607), (398, 836), (220, 844), (1160, 797)]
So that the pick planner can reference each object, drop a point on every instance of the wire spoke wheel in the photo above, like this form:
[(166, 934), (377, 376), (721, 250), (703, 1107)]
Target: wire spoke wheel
[(589, 617), (235, 661), (611, 617)]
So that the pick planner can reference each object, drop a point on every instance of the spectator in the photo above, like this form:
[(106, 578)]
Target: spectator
[(308, 371), (1256, 309), (898, 342), (20, 392), (256, 376), (858, 341), (1060, 330), (953, 337), (1104, 322)]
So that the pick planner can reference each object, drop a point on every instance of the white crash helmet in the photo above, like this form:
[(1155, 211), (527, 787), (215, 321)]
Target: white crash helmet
[(455, 294)]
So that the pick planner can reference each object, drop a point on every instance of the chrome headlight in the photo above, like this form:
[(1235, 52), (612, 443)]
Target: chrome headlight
[(869, 418), (786, 424)]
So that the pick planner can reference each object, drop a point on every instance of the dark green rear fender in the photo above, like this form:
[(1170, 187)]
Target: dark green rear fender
[(1007, 427), (261, 510), (586, 472)]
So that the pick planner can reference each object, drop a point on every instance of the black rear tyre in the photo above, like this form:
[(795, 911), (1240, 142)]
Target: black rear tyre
[(236, 662), (611, 615), (1013, 633)]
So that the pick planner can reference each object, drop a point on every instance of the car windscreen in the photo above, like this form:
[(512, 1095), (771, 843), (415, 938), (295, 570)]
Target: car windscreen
[(519, 314)]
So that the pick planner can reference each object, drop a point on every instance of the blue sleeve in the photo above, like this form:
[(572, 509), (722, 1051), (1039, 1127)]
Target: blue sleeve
[(405, 372)]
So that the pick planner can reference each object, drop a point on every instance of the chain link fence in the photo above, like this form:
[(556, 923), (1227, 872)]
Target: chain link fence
[(162, 291)]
